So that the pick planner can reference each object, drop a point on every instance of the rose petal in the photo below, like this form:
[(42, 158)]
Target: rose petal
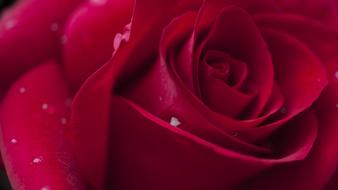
[(299, 72), (172, 158), (300, 75), (217, 91), (30, 34), (324, 11), (321, 39), (241, 39), (162, 93), (178, 32), (90, 36), (168, 96), (320, 164), (33, 145), (91, 105), (177, 43)]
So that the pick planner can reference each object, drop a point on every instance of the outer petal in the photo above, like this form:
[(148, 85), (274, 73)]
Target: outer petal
[(324, 11), (316, 170), (33, 145), (30, 34), (90, 36), (91, 105), (148, 153), (299, 73)]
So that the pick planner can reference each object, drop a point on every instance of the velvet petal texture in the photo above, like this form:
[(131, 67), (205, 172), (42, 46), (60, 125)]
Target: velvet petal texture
[(160, 90), (320, 165), (324, 11), (149, 153), (242, 40), (175, 159), (33, 144), (30, 33), (90, 117), (90, 36)]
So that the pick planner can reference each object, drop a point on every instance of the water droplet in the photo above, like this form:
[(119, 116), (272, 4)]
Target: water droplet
[(120, 37), (174, 122), (45, 188), (54, 27), (22, 90), (63, 121), (98, 2), (10, 24), (336, 75), (37, 160), (336, 105), (14, 141), (44, 106), (117, 40)]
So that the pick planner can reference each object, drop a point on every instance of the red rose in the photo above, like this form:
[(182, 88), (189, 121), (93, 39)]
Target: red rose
[(192, 94)]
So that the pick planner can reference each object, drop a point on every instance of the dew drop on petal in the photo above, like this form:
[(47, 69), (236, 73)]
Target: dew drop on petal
[(122, 37), (98, 2), (22, 90), (14, 141), (63, 121), (126, 32), (10, 24), (45, 188), (336, 75), (117, 41), (37, 160), (174, 122), (44, 106)]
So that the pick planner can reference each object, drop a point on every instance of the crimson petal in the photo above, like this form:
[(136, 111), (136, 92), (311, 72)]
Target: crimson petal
[(33, 144), (173, 158), (91, 104), (30, 34), (243, 41), (321, 163), (90, 37)]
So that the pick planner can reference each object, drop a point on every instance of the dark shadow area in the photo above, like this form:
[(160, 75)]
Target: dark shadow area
[(5, 4)]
